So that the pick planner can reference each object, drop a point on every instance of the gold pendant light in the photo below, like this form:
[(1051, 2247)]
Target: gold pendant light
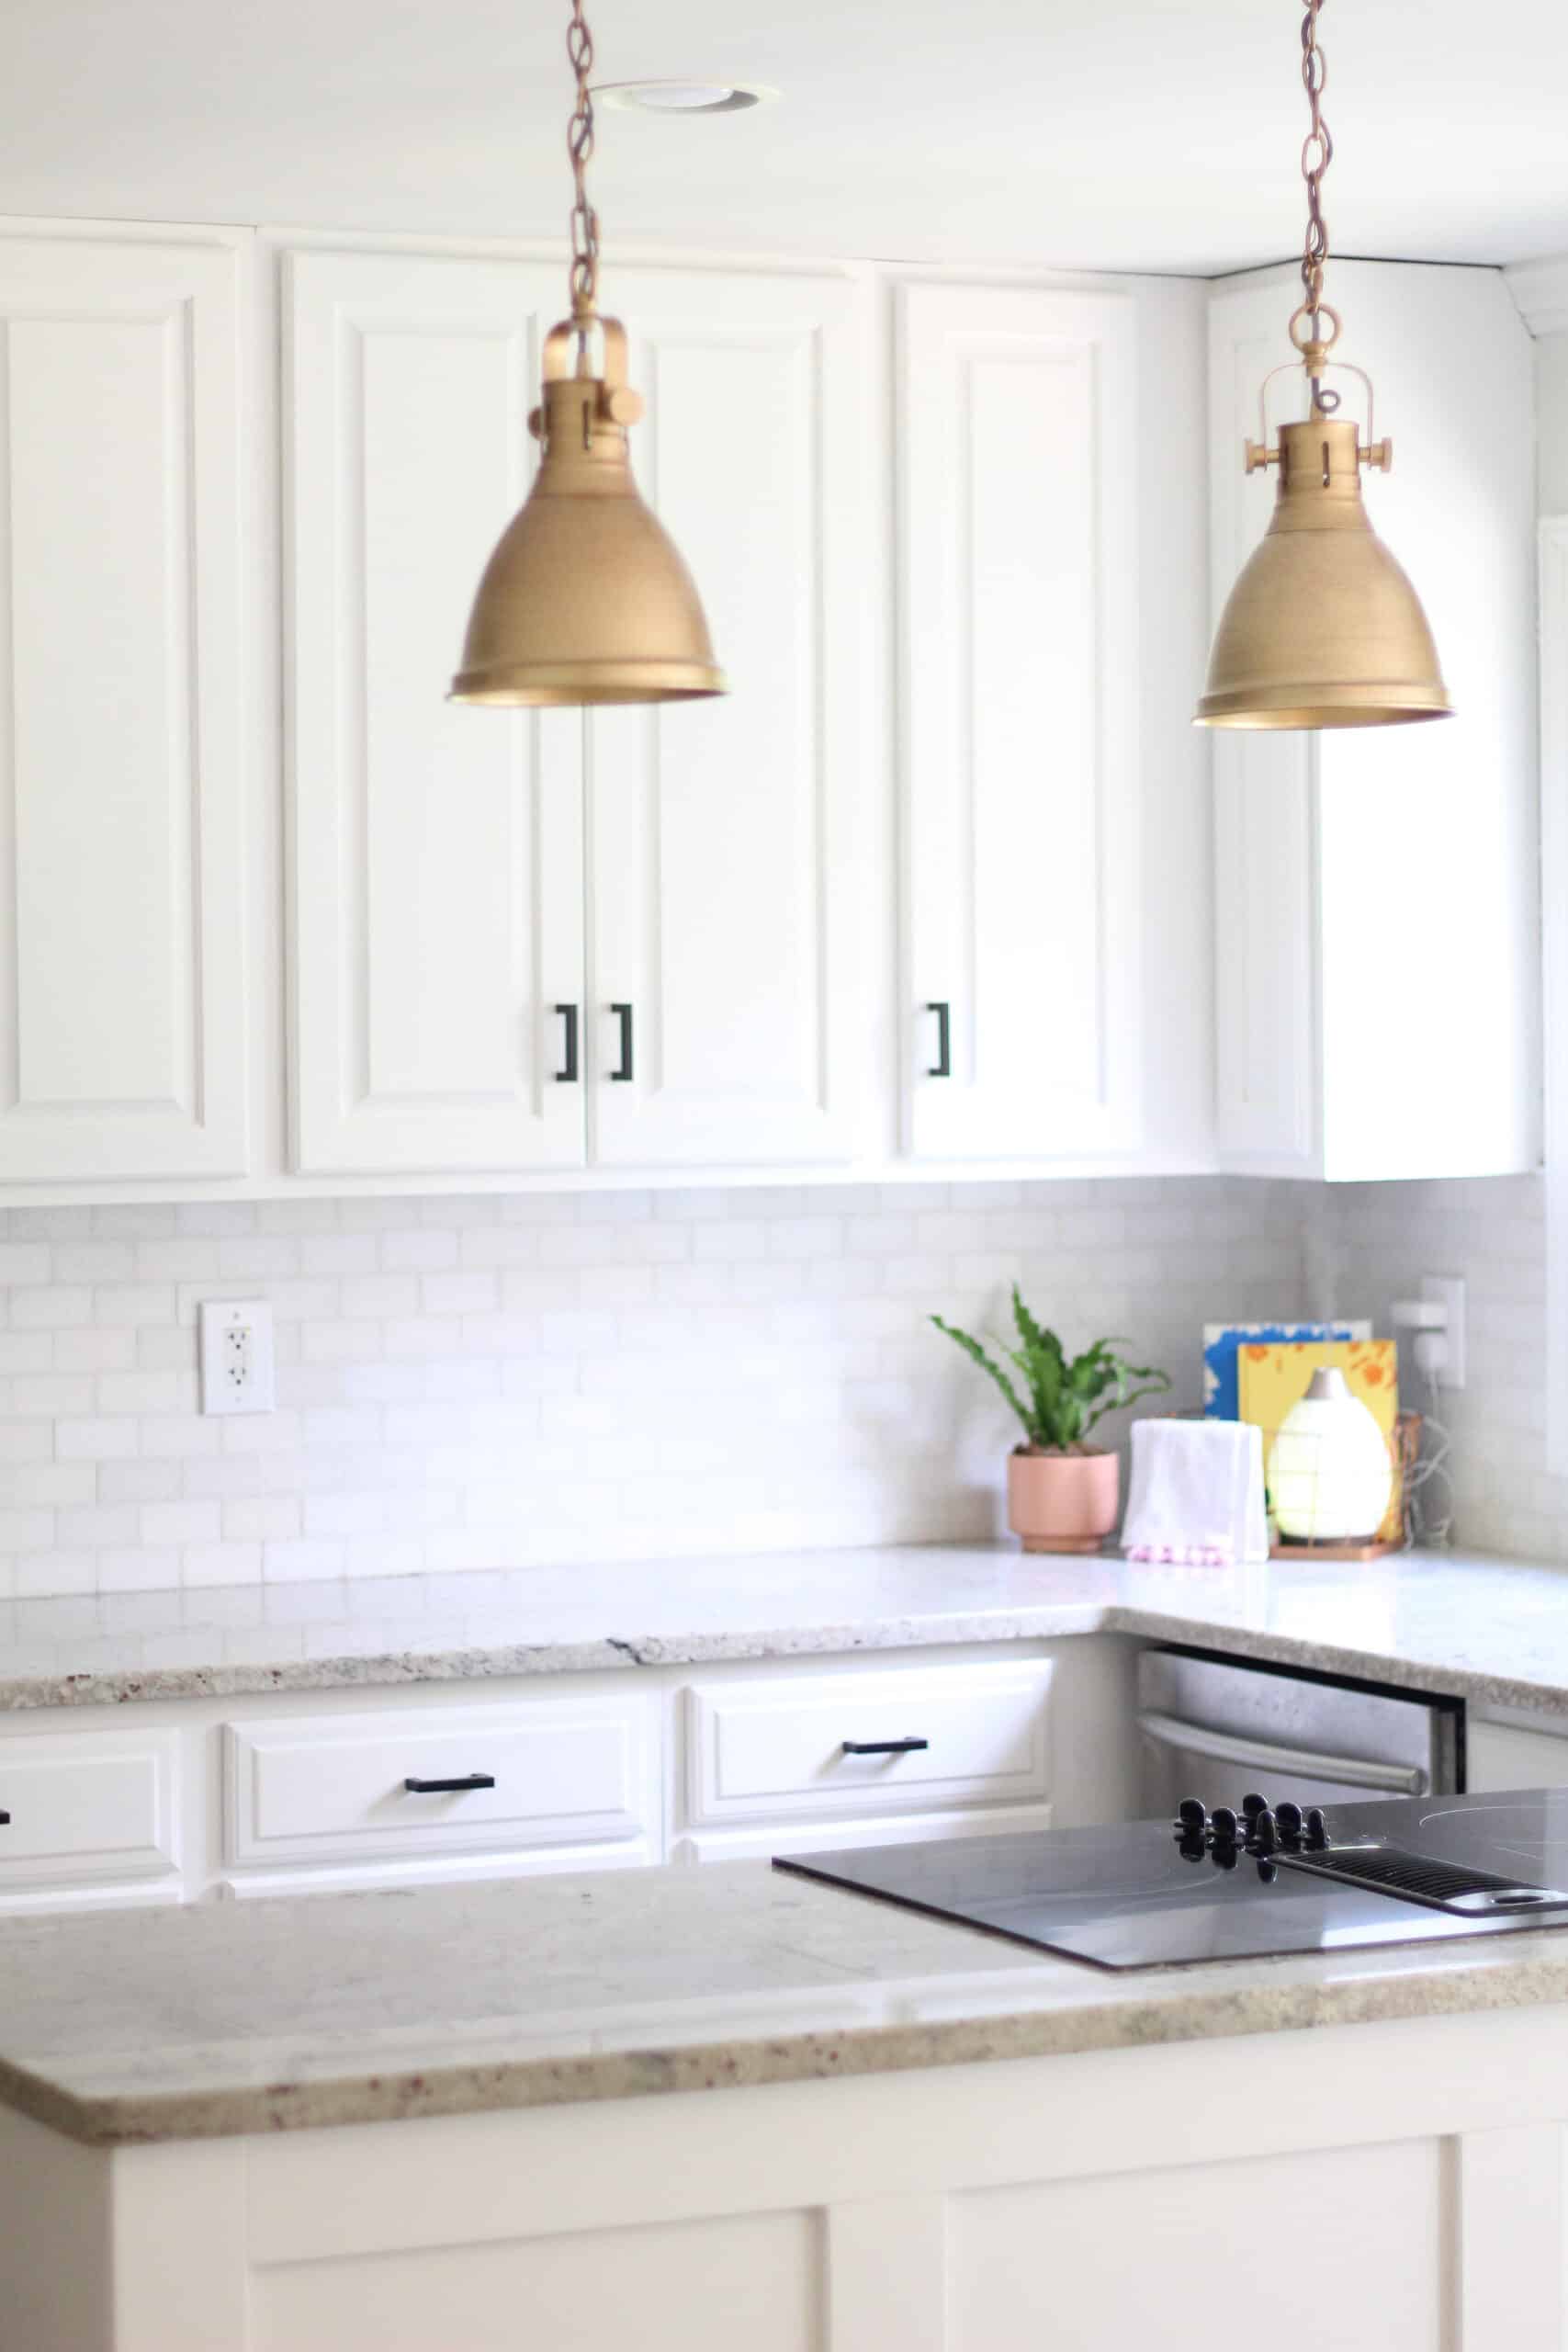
[(1322, 628), (586, 598)]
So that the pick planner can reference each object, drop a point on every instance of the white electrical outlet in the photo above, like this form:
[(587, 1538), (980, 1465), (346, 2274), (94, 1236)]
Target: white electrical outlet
[(237, 1373), (1448, 1292)]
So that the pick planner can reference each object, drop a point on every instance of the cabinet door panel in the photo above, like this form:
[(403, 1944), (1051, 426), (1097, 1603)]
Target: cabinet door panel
[(722, 835), (436, 848), (1019, 580), (121, 1033), (1265, 824)]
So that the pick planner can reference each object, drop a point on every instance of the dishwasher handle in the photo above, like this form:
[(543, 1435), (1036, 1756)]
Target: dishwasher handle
[(1263, 1756)]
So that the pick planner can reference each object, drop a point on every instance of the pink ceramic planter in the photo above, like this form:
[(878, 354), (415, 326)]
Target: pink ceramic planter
[(1062, 1502)]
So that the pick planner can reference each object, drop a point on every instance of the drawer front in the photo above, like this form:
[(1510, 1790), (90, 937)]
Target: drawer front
[(88, 1808), (1503, 1755), (786, 1750), (333, 1788)]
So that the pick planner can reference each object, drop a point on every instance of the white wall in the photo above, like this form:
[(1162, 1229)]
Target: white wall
[(499, 1382)]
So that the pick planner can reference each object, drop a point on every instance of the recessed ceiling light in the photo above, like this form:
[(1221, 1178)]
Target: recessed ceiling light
[(685, 97)]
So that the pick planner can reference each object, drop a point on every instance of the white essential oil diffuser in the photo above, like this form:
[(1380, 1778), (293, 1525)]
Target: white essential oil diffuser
[(1330, 1472)]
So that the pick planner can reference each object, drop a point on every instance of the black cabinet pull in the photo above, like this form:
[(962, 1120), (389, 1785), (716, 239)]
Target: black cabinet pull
[(942, 1066), (568, 1077), (623, 1013), (450, 1787), (883, 1746), (4, 1821)]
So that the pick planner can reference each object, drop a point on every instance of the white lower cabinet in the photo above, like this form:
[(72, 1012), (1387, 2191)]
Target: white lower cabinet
[(1054, 2203), (548, 1784), (865, 1743), (1510, 1755), (90, 1816), (310, 1792)]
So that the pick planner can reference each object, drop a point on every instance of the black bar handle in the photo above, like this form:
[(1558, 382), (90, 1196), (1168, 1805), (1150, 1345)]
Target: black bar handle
[(568, 1077), (450, 1787), (883, 1746), (4, 1821), (942, 1066), (623, 1013)]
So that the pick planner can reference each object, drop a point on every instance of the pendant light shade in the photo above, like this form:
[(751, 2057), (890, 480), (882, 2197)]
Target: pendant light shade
[(586, 598), (1322, 628)]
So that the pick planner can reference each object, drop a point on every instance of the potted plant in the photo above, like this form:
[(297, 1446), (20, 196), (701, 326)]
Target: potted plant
[(1063, 1493)]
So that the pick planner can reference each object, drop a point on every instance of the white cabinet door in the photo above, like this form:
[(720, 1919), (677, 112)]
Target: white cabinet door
[(122, 1043), (1377, 900), (723, 835), (532, 1774), (437, 849), (1019, 719), (86, 1811), (1506, 1755), (1265, 806)]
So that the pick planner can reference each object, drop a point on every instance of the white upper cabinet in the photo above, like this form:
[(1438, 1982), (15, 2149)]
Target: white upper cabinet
[(444, 858), (1376, 888), (1020, 695), (121, 767), (723, 836), (435, 848)]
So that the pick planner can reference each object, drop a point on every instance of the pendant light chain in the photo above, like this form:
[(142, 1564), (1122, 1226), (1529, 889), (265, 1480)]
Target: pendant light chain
[(580, 147), (1318, 153)]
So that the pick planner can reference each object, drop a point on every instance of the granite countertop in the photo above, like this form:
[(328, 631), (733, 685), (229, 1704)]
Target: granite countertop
[(356, 2008), (1463, 1624)]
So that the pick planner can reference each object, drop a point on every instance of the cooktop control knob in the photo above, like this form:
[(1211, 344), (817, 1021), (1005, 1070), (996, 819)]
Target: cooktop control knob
[(1224, 1824), (1192, 1814), (1289, 1817), (1252, 1804), (1317, 1826), (1265, 1836)]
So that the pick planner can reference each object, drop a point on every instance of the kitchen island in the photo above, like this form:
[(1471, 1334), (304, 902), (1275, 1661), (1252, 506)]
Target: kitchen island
[(697, 2108)]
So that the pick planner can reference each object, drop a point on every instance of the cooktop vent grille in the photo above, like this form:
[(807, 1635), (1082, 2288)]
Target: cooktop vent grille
[(1446, 1886)]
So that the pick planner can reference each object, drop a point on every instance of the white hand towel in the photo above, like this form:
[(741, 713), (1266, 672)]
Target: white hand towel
[(1196, 1493)]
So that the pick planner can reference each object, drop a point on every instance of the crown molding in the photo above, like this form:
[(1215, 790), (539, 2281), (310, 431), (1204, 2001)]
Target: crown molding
[(1540, 289)]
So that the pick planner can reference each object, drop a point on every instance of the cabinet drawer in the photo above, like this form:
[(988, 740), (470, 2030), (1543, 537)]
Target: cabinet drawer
[(1505, 1755), (87, 1807), (786, 1749), (333, 1788)]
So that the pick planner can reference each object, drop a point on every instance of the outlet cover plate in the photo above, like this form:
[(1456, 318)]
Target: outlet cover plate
[(238, 1373), (1447, 1291)]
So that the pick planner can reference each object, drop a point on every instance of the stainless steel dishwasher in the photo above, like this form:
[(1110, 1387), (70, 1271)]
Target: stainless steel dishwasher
[(1211, 1728)]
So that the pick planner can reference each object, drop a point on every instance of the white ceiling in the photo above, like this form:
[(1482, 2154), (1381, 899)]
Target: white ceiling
[(1127, 134)]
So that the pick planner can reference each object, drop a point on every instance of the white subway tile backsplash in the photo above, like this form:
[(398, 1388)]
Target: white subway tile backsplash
[(555, 1377), (1372, 1244)]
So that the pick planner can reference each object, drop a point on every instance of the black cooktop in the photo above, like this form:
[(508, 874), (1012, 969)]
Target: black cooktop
[(1249, 1882)]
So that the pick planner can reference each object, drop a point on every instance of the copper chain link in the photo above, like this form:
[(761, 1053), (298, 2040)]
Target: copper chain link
[(580, 147), (1318, 153)]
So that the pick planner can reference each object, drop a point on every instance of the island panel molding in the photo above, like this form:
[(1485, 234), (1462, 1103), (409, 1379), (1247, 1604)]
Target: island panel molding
[(1449, 2129)]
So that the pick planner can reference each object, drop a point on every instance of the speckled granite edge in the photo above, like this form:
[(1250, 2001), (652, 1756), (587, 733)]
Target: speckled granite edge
[(1537, 1979), (479, 1663)]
